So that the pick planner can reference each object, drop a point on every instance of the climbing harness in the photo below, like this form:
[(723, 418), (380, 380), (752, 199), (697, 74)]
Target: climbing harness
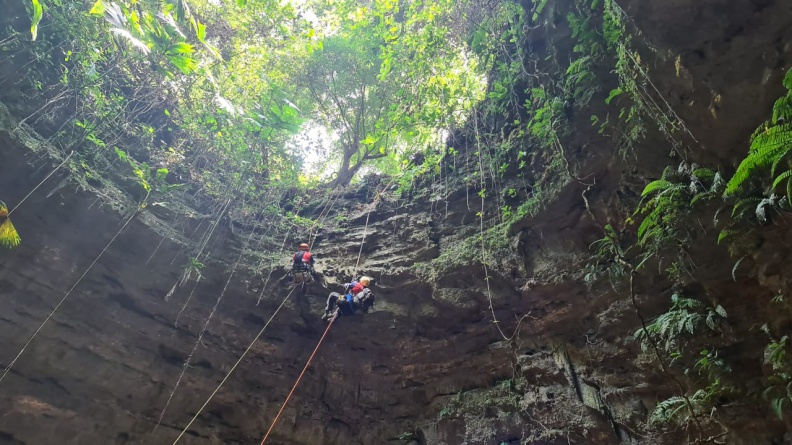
[(297, 382)]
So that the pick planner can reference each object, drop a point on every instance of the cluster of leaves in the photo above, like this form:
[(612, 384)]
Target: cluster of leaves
[(779, 385), (671, 332), (769, 152), (686, 318), (608, 258), (667, 202)]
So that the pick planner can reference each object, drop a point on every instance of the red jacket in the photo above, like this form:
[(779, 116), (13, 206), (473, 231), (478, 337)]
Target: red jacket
[(356, 289)]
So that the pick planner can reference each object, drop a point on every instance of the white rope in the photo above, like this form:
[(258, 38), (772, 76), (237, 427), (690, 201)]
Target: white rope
[(41, 326), (239, 360), (41, 183)]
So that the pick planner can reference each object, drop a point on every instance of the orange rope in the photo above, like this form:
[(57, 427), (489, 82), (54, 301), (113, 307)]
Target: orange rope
[(298, 379)]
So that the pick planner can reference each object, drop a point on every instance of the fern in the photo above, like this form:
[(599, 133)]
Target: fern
[(684, 319), (667, 410), (771, 144), (726, 233)]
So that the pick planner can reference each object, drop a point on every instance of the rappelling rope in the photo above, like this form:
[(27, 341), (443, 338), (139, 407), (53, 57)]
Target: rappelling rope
[(41, 183), (57, 306), (372, 206), (239, 360), (205, 327), (314, 232), (298, 378)]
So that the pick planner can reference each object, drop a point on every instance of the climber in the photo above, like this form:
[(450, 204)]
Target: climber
[(302, 265), (357, 295)]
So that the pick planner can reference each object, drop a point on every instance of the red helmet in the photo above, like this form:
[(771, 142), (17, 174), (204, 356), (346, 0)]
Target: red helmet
[(304, 246)]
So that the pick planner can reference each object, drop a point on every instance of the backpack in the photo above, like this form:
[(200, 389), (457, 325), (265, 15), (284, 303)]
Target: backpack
[(365, 299), (299, 265)]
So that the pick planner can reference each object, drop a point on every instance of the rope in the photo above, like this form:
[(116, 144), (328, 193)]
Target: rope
[(57, 306), (205, 327), (40, 184), (312, 235), (274, 422), (365, 226), (239, 360), (362, 241)]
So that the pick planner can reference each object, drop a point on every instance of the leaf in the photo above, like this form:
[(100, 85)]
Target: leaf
[(782, 177), (613, 94), (788, 80), (98, 8), (131, 39), (726, 233), (38, 13), (200, 30), (121, 155), (742, 205), (660, 184), (721, 311), (162, 173), (778, 406), (241, 3)]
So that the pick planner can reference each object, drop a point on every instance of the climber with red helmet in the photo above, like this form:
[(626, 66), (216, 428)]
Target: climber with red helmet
[(357, 295), (302, 265)]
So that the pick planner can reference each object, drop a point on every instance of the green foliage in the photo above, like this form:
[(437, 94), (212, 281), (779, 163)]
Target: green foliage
[(778, 390), (607, 258), (771, 145), (675, 409), (668, 202), (703, 401), (36, 16), (686, 317)]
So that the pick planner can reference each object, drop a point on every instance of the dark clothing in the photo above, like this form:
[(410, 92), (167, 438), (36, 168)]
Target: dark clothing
[(346, 304), (302, 261), (349, 304)]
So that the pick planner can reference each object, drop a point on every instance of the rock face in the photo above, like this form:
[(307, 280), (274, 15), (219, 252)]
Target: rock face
[(428, 365)]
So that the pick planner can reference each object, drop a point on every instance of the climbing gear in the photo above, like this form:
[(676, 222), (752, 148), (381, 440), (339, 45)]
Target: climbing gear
[(365, 281), (300, 263), (304, 247), (297, 382)]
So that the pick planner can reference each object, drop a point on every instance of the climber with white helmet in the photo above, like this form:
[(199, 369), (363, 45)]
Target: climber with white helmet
[(357, 295)]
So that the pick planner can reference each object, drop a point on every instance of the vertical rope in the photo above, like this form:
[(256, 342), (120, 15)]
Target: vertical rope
[(239, 360), (274, 422), (57, 306), (205, 328)]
